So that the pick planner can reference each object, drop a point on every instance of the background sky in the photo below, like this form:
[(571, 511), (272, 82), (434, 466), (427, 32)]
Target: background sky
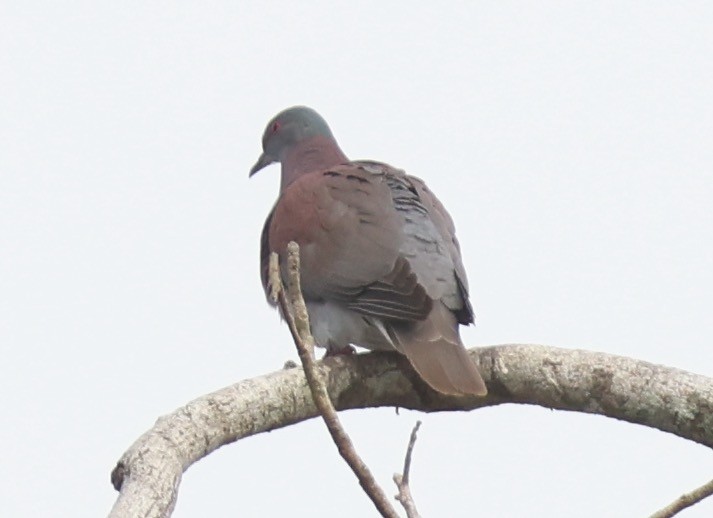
[(570, 141)]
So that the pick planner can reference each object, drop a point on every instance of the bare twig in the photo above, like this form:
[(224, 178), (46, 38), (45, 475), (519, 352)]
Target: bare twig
[(273, 278), (295, 312), (402, 480), (297, 303), (685, 500), (409, 452)]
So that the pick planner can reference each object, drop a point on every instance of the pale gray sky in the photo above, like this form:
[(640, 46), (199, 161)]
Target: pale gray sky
[(571, 142)]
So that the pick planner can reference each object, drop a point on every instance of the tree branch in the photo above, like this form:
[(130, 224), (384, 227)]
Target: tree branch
[(402, 479), (671, 400), (295, 313), (685, 500)]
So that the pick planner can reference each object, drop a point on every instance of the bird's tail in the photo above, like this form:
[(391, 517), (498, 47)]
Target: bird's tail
[(434, 348)]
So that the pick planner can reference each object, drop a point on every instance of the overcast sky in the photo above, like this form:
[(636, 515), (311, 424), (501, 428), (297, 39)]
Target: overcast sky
[(570, 141)]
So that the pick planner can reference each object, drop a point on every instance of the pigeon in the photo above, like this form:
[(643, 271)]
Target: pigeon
[(381, 267)]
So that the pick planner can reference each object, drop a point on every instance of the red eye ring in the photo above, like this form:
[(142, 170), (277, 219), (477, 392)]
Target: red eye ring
[(275, 127)]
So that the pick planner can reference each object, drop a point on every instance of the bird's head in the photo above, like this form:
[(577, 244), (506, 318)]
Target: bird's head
[(286, 130)]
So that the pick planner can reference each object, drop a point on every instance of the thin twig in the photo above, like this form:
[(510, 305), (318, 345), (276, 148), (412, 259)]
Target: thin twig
[(402, 480), (685, 500), (297, 302), (295, 313)]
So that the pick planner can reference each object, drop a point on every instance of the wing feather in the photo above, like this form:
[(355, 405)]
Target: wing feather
[(373, 239)]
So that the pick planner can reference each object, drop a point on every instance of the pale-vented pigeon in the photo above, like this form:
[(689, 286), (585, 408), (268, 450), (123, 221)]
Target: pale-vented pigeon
[(381, 266)]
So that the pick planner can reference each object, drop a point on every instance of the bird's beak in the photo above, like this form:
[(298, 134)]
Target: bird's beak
[(264, 161)]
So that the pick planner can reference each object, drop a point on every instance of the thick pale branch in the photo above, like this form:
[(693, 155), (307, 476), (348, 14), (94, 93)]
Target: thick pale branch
[(668, 399)]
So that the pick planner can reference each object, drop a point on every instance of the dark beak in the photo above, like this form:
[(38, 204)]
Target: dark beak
[(264, 161)]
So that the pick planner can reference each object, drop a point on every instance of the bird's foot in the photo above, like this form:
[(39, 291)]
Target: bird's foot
[(344, 351)]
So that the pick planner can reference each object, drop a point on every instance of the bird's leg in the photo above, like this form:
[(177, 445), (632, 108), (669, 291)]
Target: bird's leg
[(339, 351)]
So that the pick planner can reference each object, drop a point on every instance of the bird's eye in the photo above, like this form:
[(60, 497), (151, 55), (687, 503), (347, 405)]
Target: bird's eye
[(275, 127)]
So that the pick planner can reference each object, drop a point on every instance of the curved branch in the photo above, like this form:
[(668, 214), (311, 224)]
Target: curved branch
[(671, 400)]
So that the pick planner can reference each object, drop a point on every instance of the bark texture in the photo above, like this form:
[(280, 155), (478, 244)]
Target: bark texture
[(149, 473)]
